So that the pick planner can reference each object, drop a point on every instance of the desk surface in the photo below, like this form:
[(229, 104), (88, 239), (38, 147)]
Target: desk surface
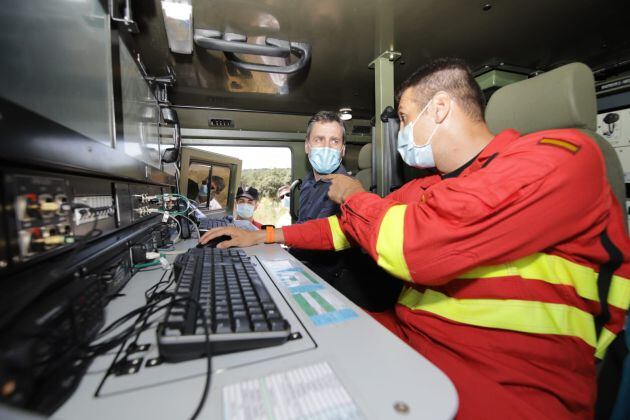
[(353, 358)]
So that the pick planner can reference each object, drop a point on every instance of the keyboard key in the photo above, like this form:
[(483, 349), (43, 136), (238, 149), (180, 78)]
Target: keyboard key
[(257, 317), (222, 316), (272, 313), (277, 324), (242, 324), (223, 327), (261, 326)]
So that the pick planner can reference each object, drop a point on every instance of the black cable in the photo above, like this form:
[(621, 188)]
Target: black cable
[(106, 345), (150, 299), (153, 289), (125, 336), (206, 387)]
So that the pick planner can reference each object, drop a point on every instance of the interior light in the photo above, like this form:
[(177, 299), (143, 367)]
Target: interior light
[(178, 22), (345, 114)]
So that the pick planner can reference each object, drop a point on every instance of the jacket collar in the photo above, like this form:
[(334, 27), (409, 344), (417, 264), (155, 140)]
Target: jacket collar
[(496, 145), (492, 149)]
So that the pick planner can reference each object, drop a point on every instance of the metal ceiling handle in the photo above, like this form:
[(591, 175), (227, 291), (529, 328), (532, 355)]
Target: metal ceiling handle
[(299, 49), (237, 43), (232, 44)]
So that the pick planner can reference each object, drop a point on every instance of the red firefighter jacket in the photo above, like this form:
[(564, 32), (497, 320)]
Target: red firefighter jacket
[(506, 268)]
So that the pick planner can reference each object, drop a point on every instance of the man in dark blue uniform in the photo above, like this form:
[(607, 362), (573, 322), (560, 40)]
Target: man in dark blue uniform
[(325, 146)]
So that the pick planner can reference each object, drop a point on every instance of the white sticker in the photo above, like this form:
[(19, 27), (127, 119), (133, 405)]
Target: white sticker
[(311, 392)]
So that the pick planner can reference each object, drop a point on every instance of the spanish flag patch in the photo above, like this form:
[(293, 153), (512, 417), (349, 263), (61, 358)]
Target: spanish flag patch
[(564, 144)]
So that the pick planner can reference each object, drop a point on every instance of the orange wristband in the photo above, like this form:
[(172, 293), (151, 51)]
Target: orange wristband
[(270, 234)]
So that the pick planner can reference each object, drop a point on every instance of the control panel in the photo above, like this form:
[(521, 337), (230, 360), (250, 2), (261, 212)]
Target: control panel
[(614, 126), (47, 212), (142, 206), (42, 218)]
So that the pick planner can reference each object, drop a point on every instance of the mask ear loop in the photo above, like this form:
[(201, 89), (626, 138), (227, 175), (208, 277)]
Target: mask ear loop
[(430, 137), (421, 112)]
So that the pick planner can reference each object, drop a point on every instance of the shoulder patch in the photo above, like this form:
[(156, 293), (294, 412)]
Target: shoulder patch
[(563, 144)]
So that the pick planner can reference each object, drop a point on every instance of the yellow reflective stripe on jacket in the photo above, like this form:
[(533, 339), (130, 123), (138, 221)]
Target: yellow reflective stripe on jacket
[(605, 338), (389, 245), (339, 238), (619, 293), (507, 314), (544, 267)]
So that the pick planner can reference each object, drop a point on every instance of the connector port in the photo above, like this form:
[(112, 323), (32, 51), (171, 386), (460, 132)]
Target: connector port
[(27, 241), (65, 229), (26, 207), (47, 205), (61, 199)]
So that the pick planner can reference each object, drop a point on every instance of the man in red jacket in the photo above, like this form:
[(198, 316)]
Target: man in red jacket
[(502, 250)]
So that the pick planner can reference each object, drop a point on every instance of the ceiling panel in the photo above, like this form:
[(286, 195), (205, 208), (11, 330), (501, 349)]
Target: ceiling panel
[(347, 34)]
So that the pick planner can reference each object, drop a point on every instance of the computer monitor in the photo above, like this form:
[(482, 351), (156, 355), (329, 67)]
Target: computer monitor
[(211, 179)]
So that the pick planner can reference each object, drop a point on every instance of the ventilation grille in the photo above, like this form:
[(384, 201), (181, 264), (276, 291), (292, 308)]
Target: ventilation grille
[(221, 123)]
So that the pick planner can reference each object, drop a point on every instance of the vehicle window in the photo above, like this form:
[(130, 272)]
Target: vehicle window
[(208, 185), (266, 169)]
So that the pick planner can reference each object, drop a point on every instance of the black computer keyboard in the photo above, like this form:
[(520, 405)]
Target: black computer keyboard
[(240, 312), (206, 224)]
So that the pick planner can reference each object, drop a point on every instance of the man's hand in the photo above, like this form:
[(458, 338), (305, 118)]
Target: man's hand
[(342, 187), (240, 237)]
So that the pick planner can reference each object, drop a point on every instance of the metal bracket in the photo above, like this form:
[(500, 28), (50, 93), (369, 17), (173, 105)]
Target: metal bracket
[(160, 84), (391, 55), (128, 23), (127, 366)]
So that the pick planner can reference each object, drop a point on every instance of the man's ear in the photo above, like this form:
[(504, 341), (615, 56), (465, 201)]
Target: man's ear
[(343, 150), (307, 148), (442, 102)]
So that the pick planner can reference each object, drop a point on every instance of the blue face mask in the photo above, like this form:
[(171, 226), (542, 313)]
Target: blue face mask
[(245, 211), (324, 159), (286, 202), (413, 155)]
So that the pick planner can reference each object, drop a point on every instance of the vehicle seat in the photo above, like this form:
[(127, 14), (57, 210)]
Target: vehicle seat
[(561, 98), (364, 175), (565, 98)]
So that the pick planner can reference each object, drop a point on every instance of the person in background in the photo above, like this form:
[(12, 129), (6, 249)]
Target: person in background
[(217, 184), (284, 197), (325, 147), (246, 205)]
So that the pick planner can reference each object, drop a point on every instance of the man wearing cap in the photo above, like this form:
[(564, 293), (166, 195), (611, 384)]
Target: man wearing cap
[(325, 147), (246, 205)]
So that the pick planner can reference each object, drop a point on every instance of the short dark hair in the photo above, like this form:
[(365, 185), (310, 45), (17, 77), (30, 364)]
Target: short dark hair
[(451, 75), (326, 117), (220, 183)]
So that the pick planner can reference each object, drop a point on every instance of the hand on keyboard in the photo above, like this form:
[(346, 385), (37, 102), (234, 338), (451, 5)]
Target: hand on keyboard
[(239, 237)]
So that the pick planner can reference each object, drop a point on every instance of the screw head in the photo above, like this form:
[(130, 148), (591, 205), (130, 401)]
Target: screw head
[(401, 407)]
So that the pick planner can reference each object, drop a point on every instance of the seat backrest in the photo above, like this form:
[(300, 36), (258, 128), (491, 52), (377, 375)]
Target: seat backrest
[(561, 98), (364, 175)]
